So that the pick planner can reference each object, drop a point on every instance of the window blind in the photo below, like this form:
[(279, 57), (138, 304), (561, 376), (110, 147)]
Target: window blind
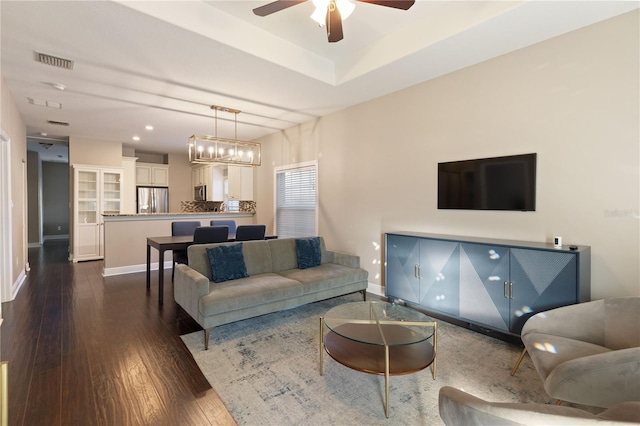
[(296, 202)]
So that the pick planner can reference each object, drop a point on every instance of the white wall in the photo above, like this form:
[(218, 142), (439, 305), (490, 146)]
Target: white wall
[(11, 123), (574, 100)]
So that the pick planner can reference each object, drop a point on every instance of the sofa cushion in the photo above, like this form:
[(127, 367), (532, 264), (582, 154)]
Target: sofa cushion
[(247, 293), (308, 252), (257, 257), (227, 263), (326, 276)]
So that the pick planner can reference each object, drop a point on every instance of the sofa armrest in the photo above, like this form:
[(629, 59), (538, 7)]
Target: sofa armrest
[(189, 286), (343, 259), (600, 380)]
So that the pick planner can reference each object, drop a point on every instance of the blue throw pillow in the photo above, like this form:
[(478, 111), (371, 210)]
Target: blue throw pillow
[(227, 263), (308, 251)]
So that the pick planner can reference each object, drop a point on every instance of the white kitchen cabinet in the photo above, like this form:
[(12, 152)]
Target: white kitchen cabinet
[(96, 191), (148, 174), (240, 183), (217, 184), (212, 177)]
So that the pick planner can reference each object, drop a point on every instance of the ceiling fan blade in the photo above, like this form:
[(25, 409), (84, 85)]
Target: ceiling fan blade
[(396, 4), (275, 6), (334, 23)]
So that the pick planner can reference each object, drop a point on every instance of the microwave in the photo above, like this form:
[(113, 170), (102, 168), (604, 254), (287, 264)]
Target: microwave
[(200, 193)]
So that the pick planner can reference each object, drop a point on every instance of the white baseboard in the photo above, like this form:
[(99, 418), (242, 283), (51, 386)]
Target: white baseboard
[(17, 285), (375, 289), (132, 269)]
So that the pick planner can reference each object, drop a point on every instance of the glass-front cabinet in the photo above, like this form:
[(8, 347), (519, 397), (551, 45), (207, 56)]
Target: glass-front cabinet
[(111, 194), (96, 191)]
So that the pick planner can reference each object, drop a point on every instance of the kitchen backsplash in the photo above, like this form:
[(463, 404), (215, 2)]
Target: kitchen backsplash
[(214, 206)]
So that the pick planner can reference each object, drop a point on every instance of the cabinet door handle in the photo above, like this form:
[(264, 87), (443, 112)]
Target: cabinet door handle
[(419, 272), (510, 290), (504, 290), (415, 271)]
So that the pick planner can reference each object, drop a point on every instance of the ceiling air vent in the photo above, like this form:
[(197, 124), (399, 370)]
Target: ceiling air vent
[(57, 123), (54, 61)]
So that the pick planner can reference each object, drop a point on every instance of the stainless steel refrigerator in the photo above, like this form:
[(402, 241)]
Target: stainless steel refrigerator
[(152, 199)]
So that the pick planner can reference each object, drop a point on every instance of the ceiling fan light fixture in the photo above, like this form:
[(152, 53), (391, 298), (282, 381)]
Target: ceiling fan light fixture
[(345, 7)]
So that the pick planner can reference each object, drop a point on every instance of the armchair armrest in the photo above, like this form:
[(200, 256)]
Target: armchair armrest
[(189, 286), (583, 322), (600, 380), (343, 259)]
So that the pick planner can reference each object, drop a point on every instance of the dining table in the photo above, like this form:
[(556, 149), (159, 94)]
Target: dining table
[(172, 242)]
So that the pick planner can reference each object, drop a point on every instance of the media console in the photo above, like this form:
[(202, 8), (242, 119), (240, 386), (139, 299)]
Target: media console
[(492, 284)]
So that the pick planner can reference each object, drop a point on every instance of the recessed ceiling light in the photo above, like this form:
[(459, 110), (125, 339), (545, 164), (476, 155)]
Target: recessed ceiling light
[(43, 134), (148, 127), (58, 86), (136, 138)]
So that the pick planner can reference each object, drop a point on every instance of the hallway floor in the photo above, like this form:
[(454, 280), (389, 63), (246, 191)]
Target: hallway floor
[(84, 350)]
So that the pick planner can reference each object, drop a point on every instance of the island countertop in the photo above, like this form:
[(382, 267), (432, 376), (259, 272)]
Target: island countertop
[(174, 216), (125, 236)]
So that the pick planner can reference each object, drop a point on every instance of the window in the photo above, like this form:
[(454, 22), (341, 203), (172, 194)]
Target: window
[(296, 200)]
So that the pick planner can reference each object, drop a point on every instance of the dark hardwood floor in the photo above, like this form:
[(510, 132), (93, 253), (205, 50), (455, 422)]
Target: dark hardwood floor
[(84, 350)]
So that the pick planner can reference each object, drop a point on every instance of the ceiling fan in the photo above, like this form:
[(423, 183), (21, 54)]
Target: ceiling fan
[(332, 18)]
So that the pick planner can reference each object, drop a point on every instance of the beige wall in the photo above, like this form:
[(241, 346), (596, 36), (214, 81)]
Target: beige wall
[(94, 152), (11, 123), (574, 100), (180, 188)]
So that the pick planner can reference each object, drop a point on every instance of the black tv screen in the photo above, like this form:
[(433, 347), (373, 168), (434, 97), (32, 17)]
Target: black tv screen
[(498, 183)]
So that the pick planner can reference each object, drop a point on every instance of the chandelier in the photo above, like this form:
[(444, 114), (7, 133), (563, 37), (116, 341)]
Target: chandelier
[(214, 150)]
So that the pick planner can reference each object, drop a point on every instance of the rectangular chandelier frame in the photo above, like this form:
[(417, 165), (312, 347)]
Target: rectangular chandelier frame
[(214, 150)]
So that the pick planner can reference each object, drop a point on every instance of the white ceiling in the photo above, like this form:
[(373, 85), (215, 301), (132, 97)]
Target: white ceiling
[(165, 63)]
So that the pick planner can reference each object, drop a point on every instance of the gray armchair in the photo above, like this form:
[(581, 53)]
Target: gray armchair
[(588, 353), (459, 408)]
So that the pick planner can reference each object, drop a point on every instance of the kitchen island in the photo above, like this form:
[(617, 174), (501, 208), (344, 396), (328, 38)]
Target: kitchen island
[(125, 237)]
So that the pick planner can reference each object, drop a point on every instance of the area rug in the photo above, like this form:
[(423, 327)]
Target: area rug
[(265, 370)]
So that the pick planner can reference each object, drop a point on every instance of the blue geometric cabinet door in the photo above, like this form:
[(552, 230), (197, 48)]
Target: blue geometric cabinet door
[(439, 273), (484, 277), (402, 255), (541, 280)]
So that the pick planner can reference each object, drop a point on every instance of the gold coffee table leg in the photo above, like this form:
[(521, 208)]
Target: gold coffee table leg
[(321, 344), (386, 380)]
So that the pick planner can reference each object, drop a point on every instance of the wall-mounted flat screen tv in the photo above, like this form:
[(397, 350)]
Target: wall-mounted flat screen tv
[(498, 183)]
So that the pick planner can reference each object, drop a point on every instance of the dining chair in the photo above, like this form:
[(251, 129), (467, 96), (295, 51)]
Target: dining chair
[(250, 232), (211, 234), (181, 228), (225, 222)]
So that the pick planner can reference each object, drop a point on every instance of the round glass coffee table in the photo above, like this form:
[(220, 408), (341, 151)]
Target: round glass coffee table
[(379, 338)]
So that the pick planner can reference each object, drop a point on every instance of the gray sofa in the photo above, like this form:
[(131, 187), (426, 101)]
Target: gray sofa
[(274, 283)]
